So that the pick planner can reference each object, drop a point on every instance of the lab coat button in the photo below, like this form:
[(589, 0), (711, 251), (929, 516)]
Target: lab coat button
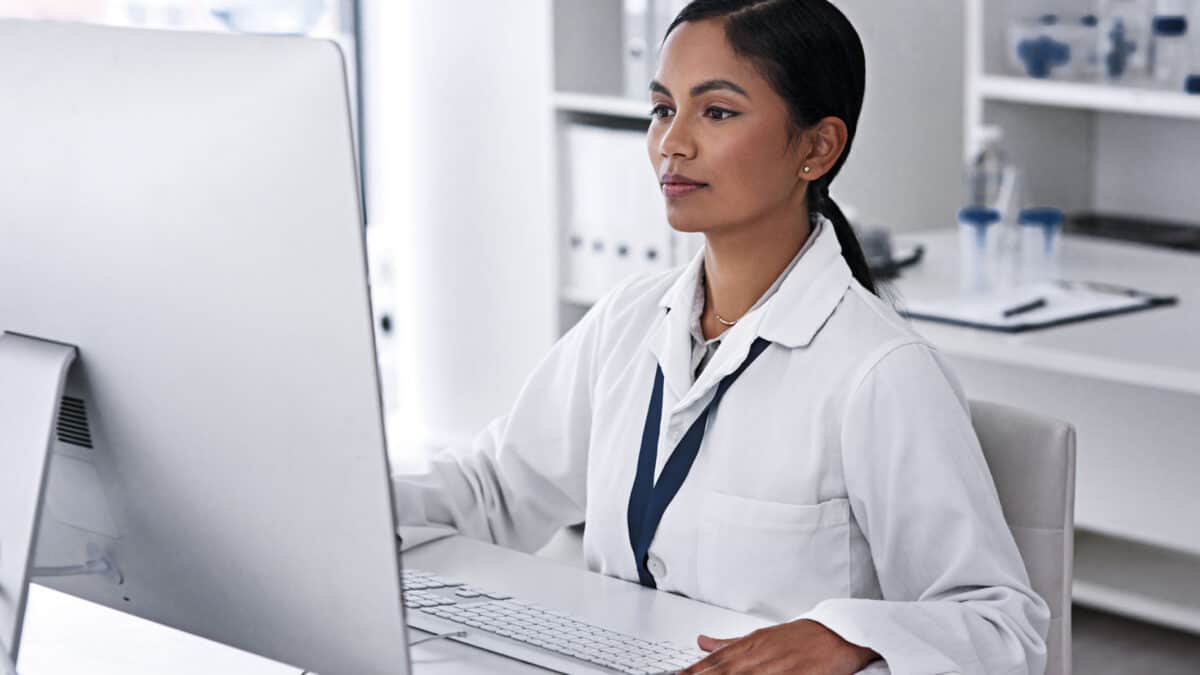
[(656, 566)]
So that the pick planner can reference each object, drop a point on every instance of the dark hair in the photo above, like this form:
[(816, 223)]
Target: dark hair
[(813, 58)]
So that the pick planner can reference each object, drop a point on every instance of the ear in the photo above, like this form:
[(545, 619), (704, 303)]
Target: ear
[(823, 143)]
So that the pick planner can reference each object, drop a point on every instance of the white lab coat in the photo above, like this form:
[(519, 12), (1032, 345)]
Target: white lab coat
[(839, 479)]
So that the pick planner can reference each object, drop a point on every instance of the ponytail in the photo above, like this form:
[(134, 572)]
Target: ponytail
[(820, 202)]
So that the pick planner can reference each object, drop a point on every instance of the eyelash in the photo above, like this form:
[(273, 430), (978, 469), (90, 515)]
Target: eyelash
[(728, 114)]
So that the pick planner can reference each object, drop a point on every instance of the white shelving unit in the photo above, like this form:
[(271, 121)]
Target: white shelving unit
[(1114, 149), (1092, 97), (1101, 147)]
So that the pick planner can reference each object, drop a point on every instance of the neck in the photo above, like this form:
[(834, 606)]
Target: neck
[(741, 264)]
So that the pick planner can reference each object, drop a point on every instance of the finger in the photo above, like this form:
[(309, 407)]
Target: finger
[(708, 666), (709, 644), (721, 658), (705, 664)]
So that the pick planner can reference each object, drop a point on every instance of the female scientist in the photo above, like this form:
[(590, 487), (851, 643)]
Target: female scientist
[(758, 430)]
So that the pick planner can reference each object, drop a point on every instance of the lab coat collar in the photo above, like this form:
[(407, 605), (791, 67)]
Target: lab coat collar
[(790, 318)]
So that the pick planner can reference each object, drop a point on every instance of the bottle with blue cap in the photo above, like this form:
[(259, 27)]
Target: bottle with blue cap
[(979, 235), (1191, 83), (986, 224), (1171, 52), (1041, 234), (1125, 39)]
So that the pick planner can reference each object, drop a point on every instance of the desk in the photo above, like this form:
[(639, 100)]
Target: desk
[(1131, 386), (66, 636)]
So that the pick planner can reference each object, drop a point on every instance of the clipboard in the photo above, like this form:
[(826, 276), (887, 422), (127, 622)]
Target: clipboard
[(1052, 304)]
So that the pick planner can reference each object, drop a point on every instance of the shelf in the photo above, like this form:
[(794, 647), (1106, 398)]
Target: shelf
[(1098, 97), (611, 106), (1137, 580)]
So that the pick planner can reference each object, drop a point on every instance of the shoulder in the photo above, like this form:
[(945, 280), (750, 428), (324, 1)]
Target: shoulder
[(872, 341)]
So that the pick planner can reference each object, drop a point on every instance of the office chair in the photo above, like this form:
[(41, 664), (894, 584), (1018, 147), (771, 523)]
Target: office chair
[(1032, 460)]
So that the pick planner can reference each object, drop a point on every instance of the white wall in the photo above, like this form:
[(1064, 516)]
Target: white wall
[(905, 169), (457, 130)]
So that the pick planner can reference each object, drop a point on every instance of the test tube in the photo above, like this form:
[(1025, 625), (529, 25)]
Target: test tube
[(979, 247), (1041, 233)]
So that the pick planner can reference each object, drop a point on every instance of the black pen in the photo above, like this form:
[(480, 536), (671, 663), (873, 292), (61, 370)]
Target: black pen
[(1027, 307)]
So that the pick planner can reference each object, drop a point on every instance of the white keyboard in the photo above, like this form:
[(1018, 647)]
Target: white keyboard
[(529, 633)]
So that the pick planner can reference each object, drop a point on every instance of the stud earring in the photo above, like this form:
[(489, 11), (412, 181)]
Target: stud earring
[(807, 169)]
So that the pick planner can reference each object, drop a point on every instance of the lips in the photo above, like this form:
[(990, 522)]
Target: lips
[(678, 185)]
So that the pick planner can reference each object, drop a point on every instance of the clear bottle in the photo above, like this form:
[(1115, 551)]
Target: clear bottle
[(1041, 234), (1125, 39), (979, 231), (985, 171), (1172, 54), (994, 184)]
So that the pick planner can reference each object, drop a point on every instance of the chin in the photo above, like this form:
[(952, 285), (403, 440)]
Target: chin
[(682, 221)]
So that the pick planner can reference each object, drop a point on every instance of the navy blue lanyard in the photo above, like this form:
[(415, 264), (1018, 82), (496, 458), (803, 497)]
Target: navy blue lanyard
[(649, 500)]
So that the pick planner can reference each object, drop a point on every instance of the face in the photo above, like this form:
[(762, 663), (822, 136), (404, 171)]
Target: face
[(717, 122)]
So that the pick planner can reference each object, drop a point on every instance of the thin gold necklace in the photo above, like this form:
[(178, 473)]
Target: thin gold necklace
[(723, 321)]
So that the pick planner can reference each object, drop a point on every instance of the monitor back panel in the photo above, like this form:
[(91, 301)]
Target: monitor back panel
[(183, 208)]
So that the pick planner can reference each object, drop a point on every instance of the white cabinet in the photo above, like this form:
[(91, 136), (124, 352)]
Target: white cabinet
[(1118, 149)]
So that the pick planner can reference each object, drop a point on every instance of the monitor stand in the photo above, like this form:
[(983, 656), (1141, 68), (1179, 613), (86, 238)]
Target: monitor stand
[(33, 373)]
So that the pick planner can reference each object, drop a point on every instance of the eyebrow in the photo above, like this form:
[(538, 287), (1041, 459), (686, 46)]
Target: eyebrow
[(702, 88)]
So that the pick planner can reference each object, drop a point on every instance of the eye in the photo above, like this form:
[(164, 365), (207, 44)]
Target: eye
[(724, 114), (656, 111)]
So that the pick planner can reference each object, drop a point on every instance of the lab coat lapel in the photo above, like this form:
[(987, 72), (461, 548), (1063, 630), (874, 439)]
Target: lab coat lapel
[(671, 341), (735, 346)]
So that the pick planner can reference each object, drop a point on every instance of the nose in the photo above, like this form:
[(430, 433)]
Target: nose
[(677, 140)]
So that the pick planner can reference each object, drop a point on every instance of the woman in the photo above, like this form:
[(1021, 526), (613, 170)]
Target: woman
[(822, 466)]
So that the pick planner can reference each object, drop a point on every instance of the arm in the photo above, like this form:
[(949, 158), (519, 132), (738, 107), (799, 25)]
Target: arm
[(525, 475), (957, 596)]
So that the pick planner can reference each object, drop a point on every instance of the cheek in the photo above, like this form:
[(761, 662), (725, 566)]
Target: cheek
[(749, 167)]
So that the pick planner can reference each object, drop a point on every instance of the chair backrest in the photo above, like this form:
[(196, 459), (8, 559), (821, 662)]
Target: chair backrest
[(1032, 460)]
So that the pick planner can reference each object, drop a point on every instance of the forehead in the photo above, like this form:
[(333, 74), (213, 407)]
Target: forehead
[(698, 51)]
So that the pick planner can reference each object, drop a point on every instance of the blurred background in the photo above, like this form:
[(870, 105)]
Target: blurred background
[(506, 188)]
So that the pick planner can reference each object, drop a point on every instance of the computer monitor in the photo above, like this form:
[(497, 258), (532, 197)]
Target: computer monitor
[(180, 212)]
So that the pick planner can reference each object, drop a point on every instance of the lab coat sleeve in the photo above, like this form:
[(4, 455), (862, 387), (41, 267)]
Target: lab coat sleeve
[(524, 476), (957, 598)]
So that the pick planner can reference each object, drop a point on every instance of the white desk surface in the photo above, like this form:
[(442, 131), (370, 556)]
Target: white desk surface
[(66, 636), (1153, 348)]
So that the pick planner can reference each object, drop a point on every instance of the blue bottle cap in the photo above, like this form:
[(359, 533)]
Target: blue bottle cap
[(1042, 54), (1089, 20), (1192, 85), (980, 216), (1042, 217), (1170, 26)]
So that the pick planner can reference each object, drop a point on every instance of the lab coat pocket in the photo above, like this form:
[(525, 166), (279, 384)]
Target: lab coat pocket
[(772, 558)]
